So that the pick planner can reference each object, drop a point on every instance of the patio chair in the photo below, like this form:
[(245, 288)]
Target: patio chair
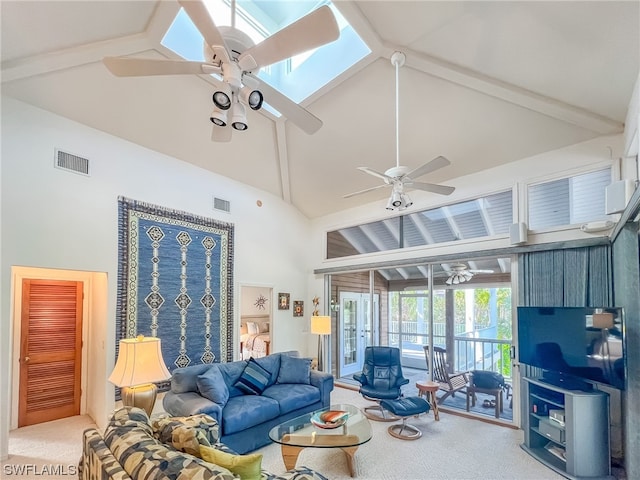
[(450, 383), (381, 379)]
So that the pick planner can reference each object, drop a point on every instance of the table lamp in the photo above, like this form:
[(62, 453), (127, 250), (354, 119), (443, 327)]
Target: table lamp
[(138, 366), (321, 326)]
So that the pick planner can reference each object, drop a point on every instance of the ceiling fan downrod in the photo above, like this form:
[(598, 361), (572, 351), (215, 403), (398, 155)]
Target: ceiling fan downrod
[(398, 59)]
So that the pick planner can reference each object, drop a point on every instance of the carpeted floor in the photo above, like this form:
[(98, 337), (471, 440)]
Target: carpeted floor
[(453, 448)]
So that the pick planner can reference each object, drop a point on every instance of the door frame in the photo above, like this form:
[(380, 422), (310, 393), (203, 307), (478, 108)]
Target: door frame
[(18, 275), (364, 310)]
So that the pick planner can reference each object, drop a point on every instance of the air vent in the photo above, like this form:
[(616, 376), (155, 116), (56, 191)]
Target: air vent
[(72, 163), (222, 205)]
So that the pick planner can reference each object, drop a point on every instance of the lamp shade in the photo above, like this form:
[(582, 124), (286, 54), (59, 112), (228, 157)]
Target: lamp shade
[(139, 362), (321, 325)]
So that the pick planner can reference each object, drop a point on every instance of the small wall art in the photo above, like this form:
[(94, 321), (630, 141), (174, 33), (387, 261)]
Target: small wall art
[(298, 308), (283, 301)]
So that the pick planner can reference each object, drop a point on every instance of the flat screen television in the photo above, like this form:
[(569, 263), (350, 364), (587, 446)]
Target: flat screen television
[(573, 344)]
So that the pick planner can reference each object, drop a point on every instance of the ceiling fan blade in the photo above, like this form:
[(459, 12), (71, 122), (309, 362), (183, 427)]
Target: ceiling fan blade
[(349, 195), (137, 67), (311, 31), (432, 187), (221, 134), (290, 109), (384, 177), (474, 271), (199, 15), (428, 167)]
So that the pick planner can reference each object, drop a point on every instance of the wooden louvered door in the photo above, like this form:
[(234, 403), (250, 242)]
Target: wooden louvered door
[(50, 350)]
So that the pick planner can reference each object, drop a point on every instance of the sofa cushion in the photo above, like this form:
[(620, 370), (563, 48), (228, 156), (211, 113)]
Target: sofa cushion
[(291, 397), (247, 411), (143, 457), (187, 434), (231, 372), (270, 363), (249, 467), (184, 379), (254, 378), (211, 385), (294, 370)]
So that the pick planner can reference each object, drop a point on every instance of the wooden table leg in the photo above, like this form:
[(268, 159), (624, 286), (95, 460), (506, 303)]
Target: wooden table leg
[(290, 455), (350, 453)]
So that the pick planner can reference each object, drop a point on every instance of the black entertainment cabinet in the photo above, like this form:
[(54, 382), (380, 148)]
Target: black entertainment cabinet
[(576, 442)]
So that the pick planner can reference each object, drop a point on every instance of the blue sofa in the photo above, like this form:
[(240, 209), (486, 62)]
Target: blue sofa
[(249, 397)]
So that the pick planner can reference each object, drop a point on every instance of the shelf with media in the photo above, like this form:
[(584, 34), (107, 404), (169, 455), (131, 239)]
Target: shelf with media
[(567, 430)]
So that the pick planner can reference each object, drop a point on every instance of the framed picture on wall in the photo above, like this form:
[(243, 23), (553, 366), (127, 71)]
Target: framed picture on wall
[(283, 301), (298, 308)]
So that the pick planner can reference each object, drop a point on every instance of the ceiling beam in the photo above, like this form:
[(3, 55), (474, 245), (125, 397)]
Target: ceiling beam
[(509, 93)]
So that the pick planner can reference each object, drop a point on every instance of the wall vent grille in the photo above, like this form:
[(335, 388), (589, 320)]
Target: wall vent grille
[(72, 163), (221, 205)]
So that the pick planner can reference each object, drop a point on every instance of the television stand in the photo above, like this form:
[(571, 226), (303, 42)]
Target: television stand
[(566, 382), (567, 430)]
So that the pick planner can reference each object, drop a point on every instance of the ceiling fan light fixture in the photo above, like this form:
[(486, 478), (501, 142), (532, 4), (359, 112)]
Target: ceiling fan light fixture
[(222, 97), (390, 204), (239, 117), (396, 199), (406, 200), (253, 98), (218, 117)]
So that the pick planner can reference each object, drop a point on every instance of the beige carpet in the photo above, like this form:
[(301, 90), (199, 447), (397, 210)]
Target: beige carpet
[(48, 450), (453, 448)]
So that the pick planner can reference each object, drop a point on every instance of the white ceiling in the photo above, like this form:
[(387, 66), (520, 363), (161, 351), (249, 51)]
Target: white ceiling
[(485, 83)]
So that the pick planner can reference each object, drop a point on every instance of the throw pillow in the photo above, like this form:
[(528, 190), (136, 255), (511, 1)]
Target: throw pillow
[(294, 370), (247, 466), (263, 327), (254, 378), (487, 379), (252, 328), (211, 385)]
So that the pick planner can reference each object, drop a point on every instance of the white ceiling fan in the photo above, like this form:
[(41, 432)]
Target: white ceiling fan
[(460, 273), (232, 54), (400, 176)]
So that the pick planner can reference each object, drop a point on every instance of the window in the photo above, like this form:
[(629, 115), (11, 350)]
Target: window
[(482, 217), (568, 201)]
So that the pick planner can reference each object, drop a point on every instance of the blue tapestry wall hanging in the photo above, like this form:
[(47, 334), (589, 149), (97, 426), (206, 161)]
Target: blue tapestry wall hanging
[(175, 282)]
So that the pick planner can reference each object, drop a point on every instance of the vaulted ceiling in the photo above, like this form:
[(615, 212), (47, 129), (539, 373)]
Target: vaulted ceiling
[(485, 83)]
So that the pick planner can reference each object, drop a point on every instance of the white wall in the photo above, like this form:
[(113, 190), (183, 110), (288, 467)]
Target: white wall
[(58, 220)]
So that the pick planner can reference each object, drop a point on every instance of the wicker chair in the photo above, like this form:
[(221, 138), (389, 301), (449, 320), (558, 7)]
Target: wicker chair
[(450, 383)]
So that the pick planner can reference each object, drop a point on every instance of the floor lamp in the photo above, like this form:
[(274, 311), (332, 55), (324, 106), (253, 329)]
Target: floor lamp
[(321, 326), (138, 366)]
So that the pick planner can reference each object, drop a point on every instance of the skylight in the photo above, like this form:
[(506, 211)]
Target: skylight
[(298, 77)]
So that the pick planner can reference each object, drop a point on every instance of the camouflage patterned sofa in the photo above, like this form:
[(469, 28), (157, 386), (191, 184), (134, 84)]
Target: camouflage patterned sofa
[(135, 448)]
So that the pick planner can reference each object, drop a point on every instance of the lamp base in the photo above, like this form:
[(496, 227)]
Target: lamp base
[(141, 396)]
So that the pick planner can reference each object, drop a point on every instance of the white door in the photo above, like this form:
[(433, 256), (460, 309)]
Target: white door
[(358, 329)]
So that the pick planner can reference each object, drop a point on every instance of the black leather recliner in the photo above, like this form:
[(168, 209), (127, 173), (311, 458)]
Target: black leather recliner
[(381, 379)]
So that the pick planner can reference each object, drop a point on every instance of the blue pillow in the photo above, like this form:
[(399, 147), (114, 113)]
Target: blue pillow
[(254, 378), (211, 385), (294, 370)]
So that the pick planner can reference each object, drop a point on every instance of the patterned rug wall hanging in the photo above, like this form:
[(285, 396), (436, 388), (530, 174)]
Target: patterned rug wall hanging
[(175, 282)]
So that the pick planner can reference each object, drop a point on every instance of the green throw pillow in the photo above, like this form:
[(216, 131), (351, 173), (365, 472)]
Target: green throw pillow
[(249, 467)]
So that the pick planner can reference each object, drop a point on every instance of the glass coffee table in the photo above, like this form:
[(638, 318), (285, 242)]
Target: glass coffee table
[(299, 433)]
